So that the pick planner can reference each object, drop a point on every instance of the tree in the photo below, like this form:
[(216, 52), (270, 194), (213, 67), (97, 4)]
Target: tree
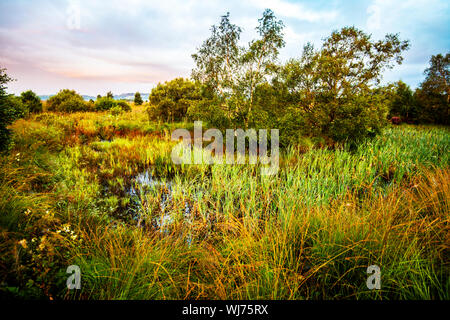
[(433, 95), (234, 72), (217, 60), (11, 108), (137, 99), (438, 76), (258, 61), (170, 101), (105, 103), (402, 103), (124, 105), (67, 101), (31, 101), (109, 95), (335, 85)]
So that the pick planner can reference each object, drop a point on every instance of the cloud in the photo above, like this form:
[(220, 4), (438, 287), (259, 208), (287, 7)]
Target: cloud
[(424, 22), (296, 10), (128, 45)]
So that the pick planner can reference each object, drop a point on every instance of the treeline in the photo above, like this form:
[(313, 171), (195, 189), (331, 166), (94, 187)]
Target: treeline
[(15, 107), (329, 94), (429, 103)]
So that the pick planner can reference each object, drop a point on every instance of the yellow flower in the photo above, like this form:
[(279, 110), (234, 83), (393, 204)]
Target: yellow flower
[(23, 243), (42, 244)]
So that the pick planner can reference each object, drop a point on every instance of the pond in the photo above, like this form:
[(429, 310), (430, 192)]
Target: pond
[(143, 191)]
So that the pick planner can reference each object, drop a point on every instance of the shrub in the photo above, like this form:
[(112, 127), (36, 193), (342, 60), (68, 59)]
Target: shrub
[(11, 109), (6, 112), (291, 124), (31, 101), (173, 98), (15, 108), (402, 103), (152, 112), (124, 106), (138, 99), (67, 101), (105, 103), (209, 110), (116, 110)]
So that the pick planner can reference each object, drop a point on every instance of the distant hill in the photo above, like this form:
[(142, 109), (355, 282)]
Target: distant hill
[(122, 96)]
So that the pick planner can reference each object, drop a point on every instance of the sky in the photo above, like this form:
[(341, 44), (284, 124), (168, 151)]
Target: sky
[(126, 46)]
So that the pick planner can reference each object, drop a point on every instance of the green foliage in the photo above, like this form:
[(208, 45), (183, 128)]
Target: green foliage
[(105, 103), (14, 108), (217, 60), (116, 110), (334, 87), (170, 101), (31, 101), (402, 103), (433, 96), (11, 109), (67, 101), (234, 73), (326, 215), (330, 92), (138, 99), (209, 110), (124, 105)]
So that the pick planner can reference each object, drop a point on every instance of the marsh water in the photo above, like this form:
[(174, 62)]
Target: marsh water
[(152, 204)]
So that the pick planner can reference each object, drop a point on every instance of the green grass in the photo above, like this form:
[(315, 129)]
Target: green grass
[(308, 232)]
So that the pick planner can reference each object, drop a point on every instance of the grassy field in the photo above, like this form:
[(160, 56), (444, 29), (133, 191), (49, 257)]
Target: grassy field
[(219, 232)]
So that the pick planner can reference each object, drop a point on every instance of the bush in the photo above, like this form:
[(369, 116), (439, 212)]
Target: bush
[(402, 103), (173, 98), (116, 110), (67, 101), (105, 103), (11, 109), (292, 126), (138, 99), (211, 112), (124, 106), (31, 101)]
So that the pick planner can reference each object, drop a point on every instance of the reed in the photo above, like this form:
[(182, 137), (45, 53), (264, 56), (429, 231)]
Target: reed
[(308, 232)]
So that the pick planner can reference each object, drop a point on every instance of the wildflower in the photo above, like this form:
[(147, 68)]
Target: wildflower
[(42, 244), (23, 243), (66, 227)]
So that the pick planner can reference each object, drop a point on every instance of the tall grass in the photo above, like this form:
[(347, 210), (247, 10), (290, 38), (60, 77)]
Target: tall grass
[(308, 232)]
